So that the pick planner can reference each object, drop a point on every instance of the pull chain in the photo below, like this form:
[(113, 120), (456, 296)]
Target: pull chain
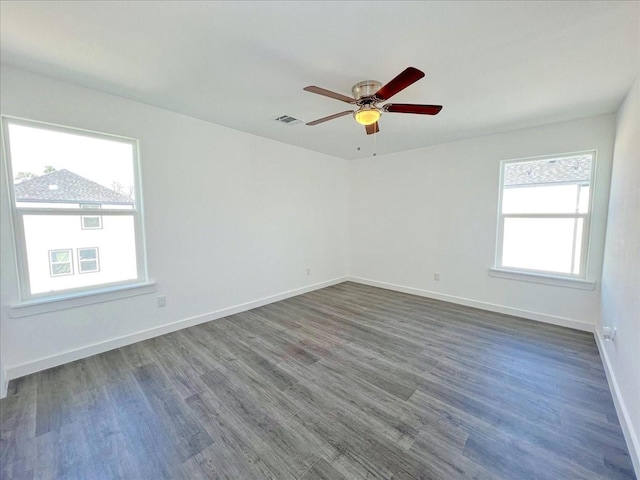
[(374, 143)]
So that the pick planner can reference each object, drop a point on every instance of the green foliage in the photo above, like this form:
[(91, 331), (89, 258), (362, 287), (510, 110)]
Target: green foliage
[(25, 176)]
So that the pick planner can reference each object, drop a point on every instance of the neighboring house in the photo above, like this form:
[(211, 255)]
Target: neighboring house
[(544, 172), (71, 251)]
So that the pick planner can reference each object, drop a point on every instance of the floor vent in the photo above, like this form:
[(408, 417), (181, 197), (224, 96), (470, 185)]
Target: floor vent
[(287, 120)]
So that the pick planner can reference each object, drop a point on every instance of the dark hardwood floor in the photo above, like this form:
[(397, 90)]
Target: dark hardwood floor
[(348, 382)]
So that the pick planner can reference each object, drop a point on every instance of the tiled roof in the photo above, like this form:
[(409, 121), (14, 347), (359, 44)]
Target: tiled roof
[(64, 186), (549, 171)]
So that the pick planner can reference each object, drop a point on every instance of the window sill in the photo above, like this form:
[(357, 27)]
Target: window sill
[(62, 302), (542, 278)]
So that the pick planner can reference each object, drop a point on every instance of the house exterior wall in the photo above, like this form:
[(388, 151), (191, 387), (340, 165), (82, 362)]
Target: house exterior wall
[(115, 242)]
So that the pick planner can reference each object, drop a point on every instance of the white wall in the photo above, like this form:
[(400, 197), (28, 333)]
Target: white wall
[(435, 210), (621, 273), (230, 218)]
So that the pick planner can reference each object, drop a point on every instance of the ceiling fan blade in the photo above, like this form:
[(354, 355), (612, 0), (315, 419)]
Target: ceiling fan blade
[(402, 81), (330, 117), (412, 108), (373, 128), (329, 93)]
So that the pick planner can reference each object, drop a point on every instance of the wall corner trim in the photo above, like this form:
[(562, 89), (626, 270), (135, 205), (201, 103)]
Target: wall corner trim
[(630, 435), (492, 307), (40, 364)]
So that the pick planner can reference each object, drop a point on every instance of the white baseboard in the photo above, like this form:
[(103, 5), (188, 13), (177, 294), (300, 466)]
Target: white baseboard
[(34, 366), (630, 435), (492, 307)]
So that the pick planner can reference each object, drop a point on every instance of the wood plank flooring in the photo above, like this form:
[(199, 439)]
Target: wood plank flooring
[(348, 382)]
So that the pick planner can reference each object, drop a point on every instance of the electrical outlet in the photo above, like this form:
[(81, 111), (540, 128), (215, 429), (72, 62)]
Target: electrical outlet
[(436, 276), (308, 271), (162, 301)]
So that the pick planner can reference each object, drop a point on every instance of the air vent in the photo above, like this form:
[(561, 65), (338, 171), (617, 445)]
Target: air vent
[(287, 120)]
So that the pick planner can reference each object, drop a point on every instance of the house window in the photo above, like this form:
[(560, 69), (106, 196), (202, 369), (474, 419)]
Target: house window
[(544, 216), (88, 260), (60, 262), (55, 175), (91, 222)]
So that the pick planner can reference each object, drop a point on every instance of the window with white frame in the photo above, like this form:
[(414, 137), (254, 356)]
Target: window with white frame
[(544, 215), (60, 262), (55, 175), (88, 261), (91, 222)]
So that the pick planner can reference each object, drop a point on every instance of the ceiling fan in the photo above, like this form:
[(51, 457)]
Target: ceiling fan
[(367, 95)]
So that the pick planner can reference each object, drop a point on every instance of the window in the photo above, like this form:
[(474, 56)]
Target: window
[(88, 260), (55, 175), (91, 222), (60, 262), (544, 216)]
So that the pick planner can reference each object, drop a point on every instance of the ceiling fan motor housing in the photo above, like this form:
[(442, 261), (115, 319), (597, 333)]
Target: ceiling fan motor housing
[(366, 88)]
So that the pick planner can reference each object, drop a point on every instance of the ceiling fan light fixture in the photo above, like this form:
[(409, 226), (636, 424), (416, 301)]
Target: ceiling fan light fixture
[(367, 115), (369, 93)]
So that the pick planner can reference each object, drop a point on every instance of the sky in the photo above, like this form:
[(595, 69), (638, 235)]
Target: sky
[(101, 160)]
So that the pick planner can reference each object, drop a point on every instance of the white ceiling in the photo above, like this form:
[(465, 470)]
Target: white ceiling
[(495, 66)]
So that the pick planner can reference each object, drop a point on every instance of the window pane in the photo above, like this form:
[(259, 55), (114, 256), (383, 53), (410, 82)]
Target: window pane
[(548, 171), (544, 244), (578, 250), (541, 199), (552, 185), (583, 202), (90, 222), (52, 169), (60, 268), (87, 254), (88, 266), (60, 256), (116, 244)]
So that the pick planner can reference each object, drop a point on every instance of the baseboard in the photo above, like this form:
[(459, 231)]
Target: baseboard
[(492, 307), (630, 435), (40, 364)]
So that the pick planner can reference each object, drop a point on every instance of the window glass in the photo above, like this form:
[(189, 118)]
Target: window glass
[(583, 203), (87, 260), (60, 263), (52, 166), (543, 199), (544, 214), (117, 252), (542, 244), (91, 222), (62, 179)]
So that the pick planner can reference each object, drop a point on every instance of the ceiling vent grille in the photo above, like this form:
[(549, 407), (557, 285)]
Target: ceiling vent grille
[(287, 120)]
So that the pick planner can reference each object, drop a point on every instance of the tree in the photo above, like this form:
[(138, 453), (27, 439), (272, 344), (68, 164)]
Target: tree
[(116, 186), (25, 176), (21, 176)]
